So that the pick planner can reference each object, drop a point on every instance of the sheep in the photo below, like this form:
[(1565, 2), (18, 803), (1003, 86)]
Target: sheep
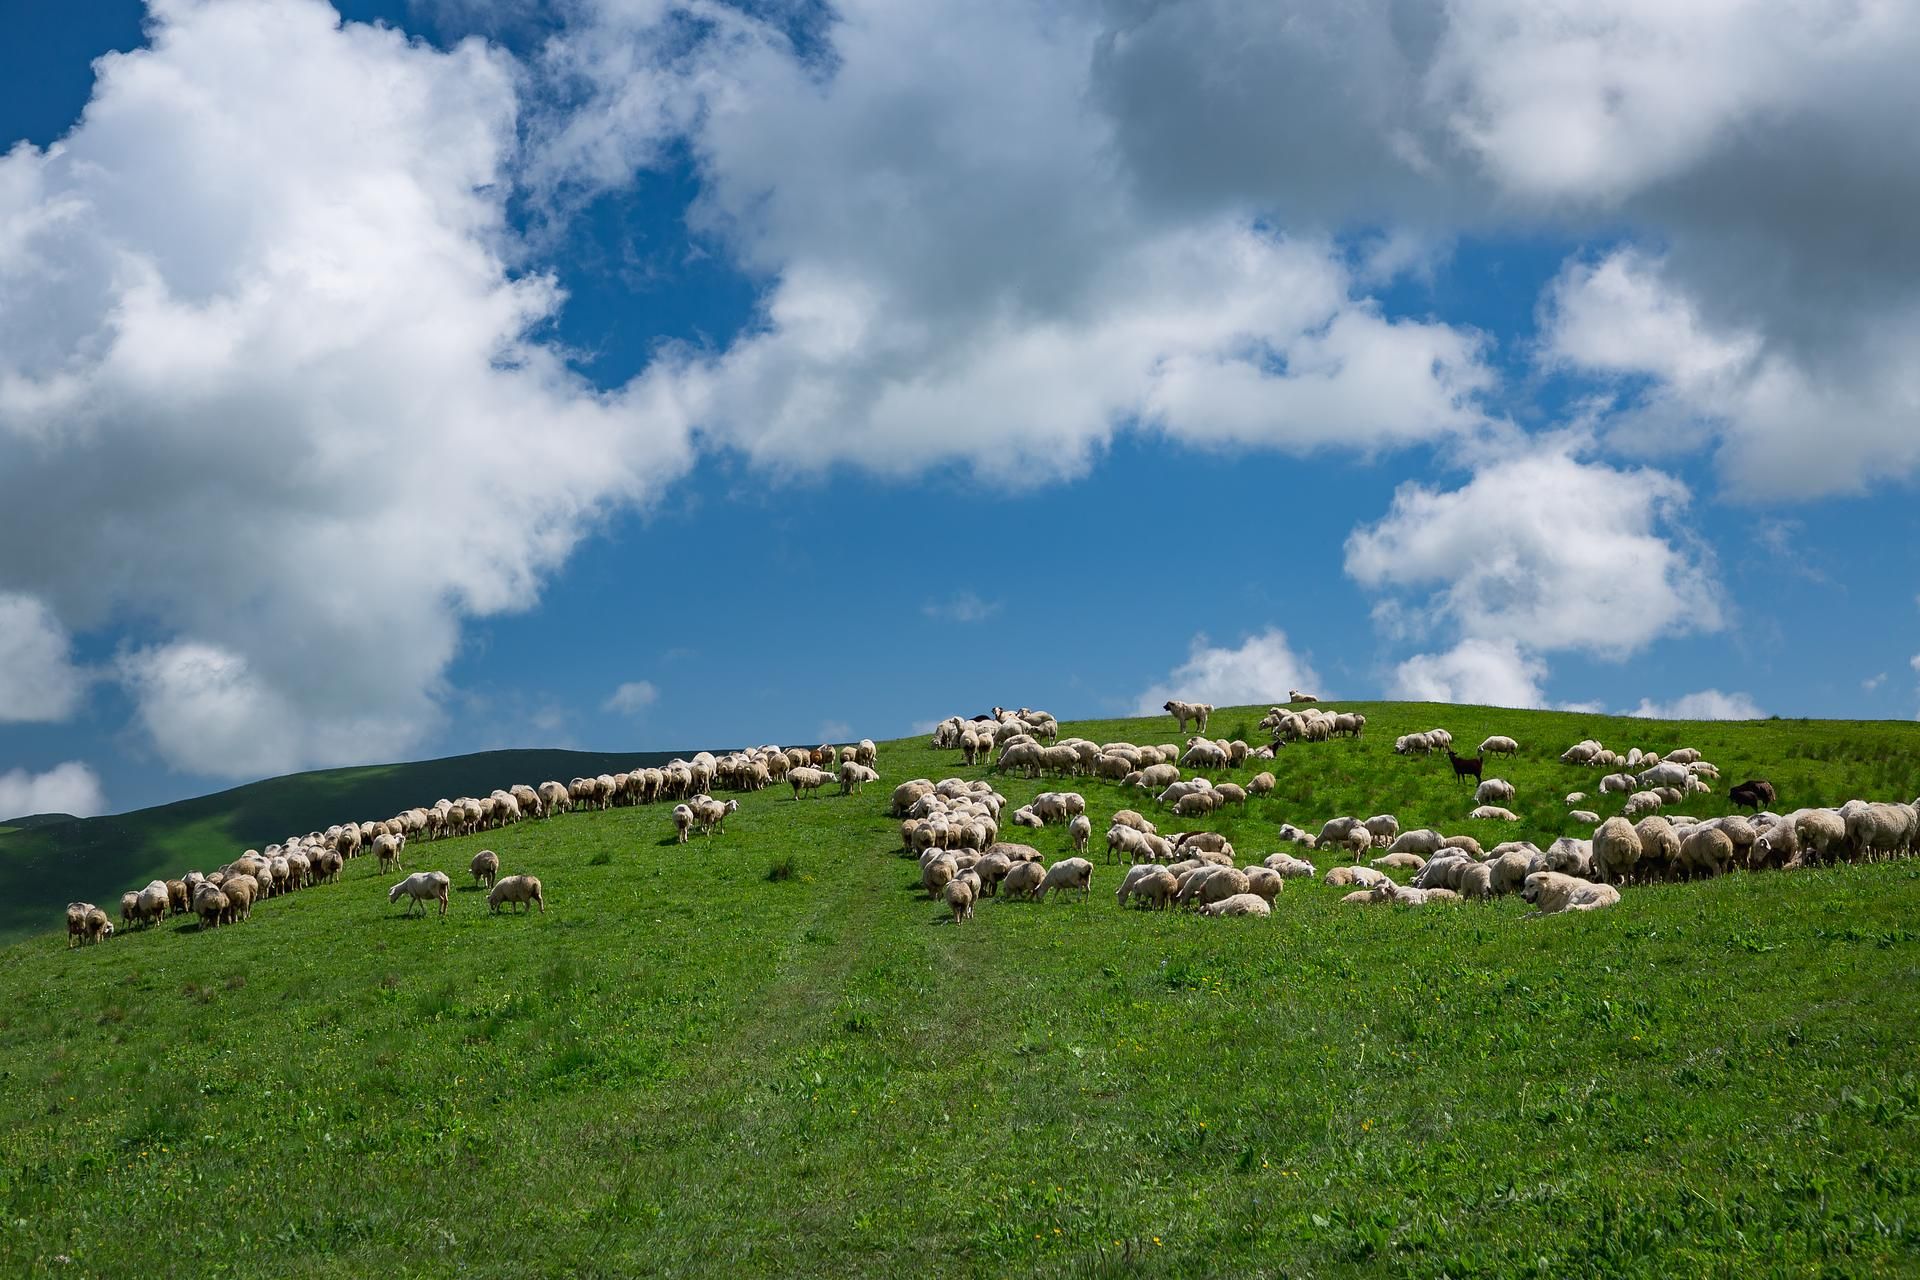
[(1202, 754), (936, 871), (1508, 872), (959, 898), (1294, 835), (1384, 829), (1289, 867), (1617, 784), (77, 913), (1475, 881), (907, 794), (519, 890), (1465, 843), (1185, 711), (1442, 873), (420, 888), (807, 778), (712, 814), (1586, 817), (1493, 813), (1196, 804), (1498, 745), (1079, 831), (1705, 850), (1334, 831), (1210, 884), (1663, 775), (1149, 884), (1240, 904), (179, 901), (1581, 753), (1573, 856), (1641, 803), (1413, 744), (387, 849), (1493, 791), (1129, 818), (1400, 861), (1023, 880), (1551, 893), (485, 867), (1424, 841), (1261, 784), (992, 869), (1775, 848), (1264, 881), (1366, 877), (154, 901), (1188, 842), (854, 775), (1877, 829), (242, 891), (1616, 850), (1295, 695), (1659, 844)]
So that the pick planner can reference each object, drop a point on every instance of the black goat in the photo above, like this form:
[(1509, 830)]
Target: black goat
[(1465, 766), (1756, 794)]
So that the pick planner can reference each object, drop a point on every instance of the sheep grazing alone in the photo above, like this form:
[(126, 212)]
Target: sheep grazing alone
[(519, 890), (485, 867), (421, 888), (1499, 745)]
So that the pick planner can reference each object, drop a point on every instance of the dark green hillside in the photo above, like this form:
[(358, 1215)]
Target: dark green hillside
[(693, 1065), (44, 864), (36, 820)]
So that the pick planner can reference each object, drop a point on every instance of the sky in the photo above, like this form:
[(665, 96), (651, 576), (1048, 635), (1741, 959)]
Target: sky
[(403, 379)]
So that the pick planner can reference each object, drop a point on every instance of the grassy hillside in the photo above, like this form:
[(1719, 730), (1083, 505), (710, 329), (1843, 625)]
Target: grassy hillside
[(691, 1065), (46, 864)]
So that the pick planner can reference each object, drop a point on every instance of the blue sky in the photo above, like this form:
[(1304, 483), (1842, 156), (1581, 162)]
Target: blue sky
[(386, 381)]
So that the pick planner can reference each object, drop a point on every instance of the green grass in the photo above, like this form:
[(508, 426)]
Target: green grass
[(690, 1065)]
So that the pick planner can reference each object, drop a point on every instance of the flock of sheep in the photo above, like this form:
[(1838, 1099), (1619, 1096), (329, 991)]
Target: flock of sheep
[(227, 894), (953, 827)]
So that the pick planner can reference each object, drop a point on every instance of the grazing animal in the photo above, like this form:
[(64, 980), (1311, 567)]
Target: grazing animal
[(1466, 766), (1755, 794), (1295, 695)]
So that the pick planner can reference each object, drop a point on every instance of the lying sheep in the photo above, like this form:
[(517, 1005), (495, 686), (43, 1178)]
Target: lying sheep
[(1493, 813), (1424, 841), (1366, 877), (1551, 893), (421, 888), (1400, 861), (1586, 817), (1240, 904), (485, 867), (518, 890), (1289, 867)]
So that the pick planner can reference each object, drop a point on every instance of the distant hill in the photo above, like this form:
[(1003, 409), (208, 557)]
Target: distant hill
[(48, 860), (36, 820)]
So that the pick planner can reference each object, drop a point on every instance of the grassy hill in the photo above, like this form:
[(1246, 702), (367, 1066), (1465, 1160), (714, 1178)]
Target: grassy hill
[(49, 860), (694, 1064)]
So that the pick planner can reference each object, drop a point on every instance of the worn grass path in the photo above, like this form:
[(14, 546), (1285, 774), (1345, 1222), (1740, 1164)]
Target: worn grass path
[(686, 1068)]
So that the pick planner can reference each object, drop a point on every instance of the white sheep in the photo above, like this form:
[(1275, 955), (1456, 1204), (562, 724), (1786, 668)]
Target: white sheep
[(515, 889), (421, 888), (1499, 745), (1239, 904), (959, 898), (1551, 893), (1493, 813), (1494, 791), (1079, 831)]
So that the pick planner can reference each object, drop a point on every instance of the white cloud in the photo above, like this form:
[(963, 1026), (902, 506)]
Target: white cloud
[(957, 269), (1264, 669), (1872, 683), (835, 731), (964, 607), (66, 788), (1545, 552), (38, 681), (1708, 704), (632, 698), (1492, 673), (269, 386)]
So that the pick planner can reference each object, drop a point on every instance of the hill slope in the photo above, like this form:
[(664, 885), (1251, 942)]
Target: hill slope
[(693, 1064), (45, 865)]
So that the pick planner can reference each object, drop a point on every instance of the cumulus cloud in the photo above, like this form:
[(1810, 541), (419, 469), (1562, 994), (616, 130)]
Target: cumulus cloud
[(66, 788), (964, 607), (1873, 682), (1546, 552), (956, 270), (1263, 669), (1707, 704), (38, 681), (270, 391), (1495, 673), (632, 698)]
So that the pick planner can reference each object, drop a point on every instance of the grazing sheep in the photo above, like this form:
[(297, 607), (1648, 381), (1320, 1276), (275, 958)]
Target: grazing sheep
[(1617, 783), (1641, 803), (959, 899), (1240, 904), (1659, 845), (1475, 881), (1154, 886), (1210, 884), (154, 901), (807, 778), (683, 822), (1551, 893), (1264, 881), (485, 867), (423, 887), (1616, 850), (1493, 791), (514, 889), (1704, 850), (1079, 831), (854, 775), (1128, 818), (1023, 880), (242, 891), (387, 849), (1493, 813), (1384, 828), (936, 872), (209, 904), (77, 913), (1067, 874), (1499, 746)]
